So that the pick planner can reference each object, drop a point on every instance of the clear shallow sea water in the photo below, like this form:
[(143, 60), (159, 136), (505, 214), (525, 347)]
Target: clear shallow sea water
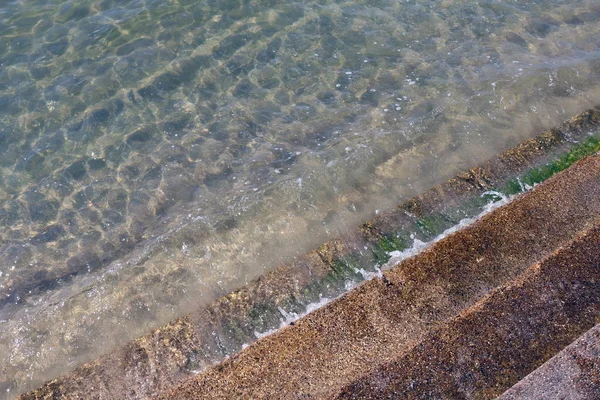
[(155, 155)]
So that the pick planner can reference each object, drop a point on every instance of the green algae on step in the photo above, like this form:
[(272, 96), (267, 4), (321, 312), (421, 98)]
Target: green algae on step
[(341, 272), (385, 319), (536, 175), (435, 224), (224, 327)]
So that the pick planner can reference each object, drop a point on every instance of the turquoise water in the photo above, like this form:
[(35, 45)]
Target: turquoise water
[(157, 154)]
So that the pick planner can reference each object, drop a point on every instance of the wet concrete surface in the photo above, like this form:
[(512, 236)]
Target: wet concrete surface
[(372, 324), (502, 276)]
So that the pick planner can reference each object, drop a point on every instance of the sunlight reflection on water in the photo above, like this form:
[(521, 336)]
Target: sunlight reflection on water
[(155, 155)]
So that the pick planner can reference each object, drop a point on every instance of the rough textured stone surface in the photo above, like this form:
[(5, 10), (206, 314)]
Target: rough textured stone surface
[(149, 364), (208, 335), (496, 342), (430, 321), (572, 374)]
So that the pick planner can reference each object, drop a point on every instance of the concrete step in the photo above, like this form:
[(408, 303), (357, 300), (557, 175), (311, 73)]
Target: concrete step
[(395, 312), (468, 317), (572, 374), (499, 340)]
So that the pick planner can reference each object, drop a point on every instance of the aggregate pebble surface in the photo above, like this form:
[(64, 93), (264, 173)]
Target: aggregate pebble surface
[(574, 373), (496, 342), (166, 356), (388, 320)]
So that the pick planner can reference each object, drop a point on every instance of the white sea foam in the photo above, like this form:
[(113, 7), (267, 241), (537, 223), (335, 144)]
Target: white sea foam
[(291, 317), (395, 258)]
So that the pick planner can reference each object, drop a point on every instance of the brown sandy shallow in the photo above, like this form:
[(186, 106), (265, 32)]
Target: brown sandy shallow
[(171, 354), (572, 374), (398, 323)]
